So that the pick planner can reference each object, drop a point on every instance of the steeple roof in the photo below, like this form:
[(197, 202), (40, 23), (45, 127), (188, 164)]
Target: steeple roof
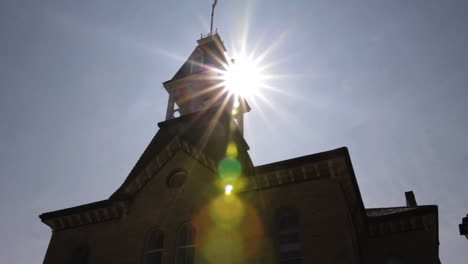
[(209, 52)]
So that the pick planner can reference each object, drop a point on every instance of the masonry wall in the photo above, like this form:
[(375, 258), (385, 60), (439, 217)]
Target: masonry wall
[(325, 228), (155, 206), (326, 232), (407, 247)]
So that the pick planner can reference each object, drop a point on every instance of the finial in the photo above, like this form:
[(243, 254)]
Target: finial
[(212, 15)]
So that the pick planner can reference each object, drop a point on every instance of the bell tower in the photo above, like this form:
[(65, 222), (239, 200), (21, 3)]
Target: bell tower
[(198, 85)]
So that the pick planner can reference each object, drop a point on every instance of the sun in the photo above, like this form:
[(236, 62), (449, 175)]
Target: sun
[(243, 76)]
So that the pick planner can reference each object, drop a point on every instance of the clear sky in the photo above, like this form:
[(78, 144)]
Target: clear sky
[(81, 96)]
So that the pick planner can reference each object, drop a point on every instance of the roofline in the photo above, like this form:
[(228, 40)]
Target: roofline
[(215, 37), (418, 210), (421, 210), (354, 182), (78, 209), (199, 74), (118, 197), (289, 163), (339, 152)]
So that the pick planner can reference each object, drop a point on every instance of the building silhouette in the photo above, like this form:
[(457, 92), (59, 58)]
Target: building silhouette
[(195, 196)]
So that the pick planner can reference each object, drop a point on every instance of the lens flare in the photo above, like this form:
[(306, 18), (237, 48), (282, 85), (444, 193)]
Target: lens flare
[(231, 150), (230, 231), (223, 246), (228, 189), (236, 103), (227, 211), (229, 168)]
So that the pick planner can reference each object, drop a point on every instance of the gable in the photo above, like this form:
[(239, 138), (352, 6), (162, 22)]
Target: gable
[(158, 202), (133, 184), (118, 204)]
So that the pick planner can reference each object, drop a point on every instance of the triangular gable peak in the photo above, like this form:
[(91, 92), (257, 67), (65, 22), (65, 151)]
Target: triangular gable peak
[(118, 204), (201, 134), (133, 184)]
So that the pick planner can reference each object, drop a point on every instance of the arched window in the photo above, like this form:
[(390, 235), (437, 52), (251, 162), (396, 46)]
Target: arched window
[(154, 247), (186, 245), (287, 226)]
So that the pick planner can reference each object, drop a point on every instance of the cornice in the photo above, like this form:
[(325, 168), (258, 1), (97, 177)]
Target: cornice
[(420, 218), (87, 214)]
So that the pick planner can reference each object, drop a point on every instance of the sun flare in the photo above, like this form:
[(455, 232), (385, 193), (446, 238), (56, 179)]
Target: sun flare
[(240, 77), (228, 189), (243, 76)]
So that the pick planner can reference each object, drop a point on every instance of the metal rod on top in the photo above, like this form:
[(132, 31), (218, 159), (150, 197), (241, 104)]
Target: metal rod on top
[(212, 15)]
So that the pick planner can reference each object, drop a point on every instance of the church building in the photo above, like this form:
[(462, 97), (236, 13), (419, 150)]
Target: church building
[(195, 196)]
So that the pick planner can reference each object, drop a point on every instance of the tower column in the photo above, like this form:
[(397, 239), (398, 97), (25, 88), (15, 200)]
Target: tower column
[(170, 107), (240, 123)]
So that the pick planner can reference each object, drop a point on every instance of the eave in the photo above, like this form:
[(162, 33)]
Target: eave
[(92, 213)]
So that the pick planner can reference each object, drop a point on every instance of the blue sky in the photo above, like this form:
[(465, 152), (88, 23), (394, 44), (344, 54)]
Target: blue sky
[(81, 96)]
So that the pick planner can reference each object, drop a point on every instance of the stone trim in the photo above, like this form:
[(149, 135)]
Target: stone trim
[(297, 174), (334, 164), (402, 224), (155, 165), (89, 216)]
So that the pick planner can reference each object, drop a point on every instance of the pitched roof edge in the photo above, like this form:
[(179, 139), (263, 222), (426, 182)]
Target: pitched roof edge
[(175, 145), (133, 185), (75, 209)]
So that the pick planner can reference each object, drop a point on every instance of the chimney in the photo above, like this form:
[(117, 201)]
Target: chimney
[(410, 199), (464, 226)]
